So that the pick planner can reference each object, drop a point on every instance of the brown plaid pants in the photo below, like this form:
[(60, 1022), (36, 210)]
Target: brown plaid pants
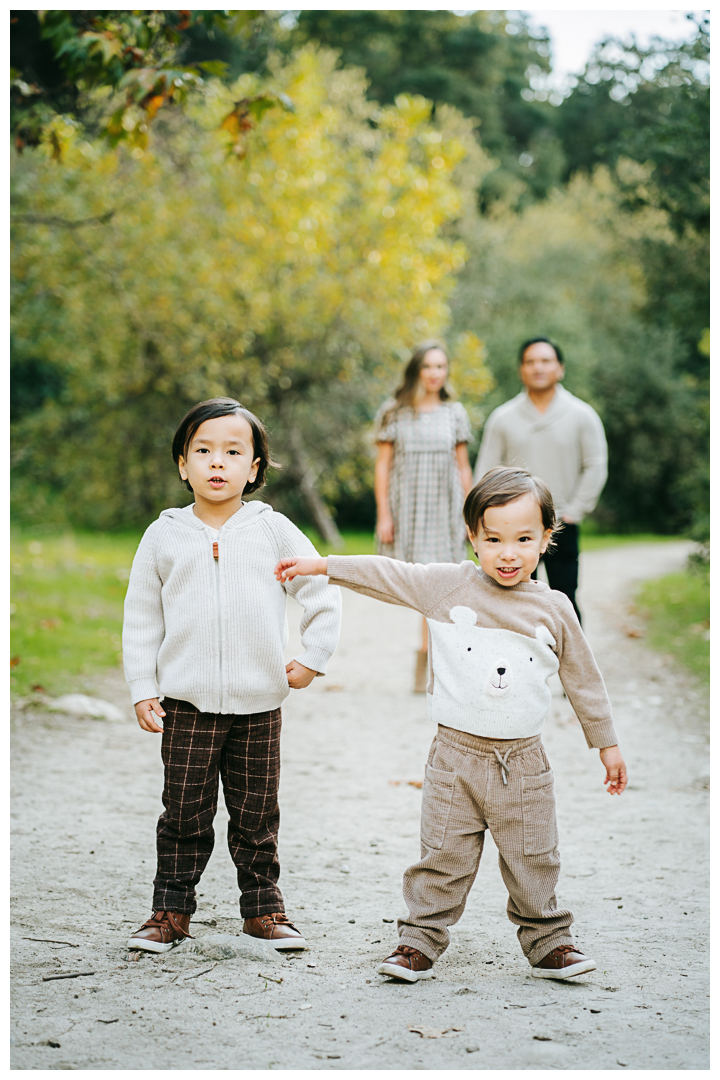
[(198, 749), (464, 794)]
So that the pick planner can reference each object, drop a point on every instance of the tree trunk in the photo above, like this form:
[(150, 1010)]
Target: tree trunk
[(306, 474)]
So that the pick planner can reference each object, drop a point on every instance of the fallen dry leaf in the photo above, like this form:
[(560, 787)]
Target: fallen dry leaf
[(410, 783)]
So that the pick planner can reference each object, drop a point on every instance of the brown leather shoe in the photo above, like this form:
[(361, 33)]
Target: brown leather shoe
[(161, 932), (563, 963), (276, 929), (407, 964)]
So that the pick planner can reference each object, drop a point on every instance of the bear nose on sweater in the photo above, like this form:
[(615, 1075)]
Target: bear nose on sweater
[(501, 671)]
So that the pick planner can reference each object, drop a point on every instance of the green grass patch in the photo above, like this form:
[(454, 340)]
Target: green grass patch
[(67, 594), (677, 610), (356, 543), (596, 541)]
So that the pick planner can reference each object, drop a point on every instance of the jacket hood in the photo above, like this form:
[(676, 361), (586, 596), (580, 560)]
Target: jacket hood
[(246, 515)]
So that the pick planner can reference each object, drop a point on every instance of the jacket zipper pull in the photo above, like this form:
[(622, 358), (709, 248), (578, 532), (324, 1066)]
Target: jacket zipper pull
[(216, 553)]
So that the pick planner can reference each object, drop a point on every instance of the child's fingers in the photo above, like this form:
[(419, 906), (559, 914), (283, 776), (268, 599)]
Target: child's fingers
[(284, 571)]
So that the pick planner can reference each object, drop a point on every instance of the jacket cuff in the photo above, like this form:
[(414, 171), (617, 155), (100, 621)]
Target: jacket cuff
[(340, 568), (316, 659), (142, 690), (600, 733)]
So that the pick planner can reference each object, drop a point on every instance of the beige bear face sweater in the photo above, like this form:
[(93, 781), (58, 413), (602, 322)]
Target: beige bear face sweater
[(492, 647)]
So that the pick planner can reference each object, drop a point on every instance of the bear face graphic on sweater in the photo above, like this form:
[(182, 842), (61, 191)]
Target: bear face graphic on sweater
[(496, 670)]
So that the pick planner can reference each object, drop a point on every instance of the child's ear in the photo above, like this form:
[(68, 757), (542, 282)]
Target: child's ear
[(254, 469), (181, 468), (545, 541), (472, 538)]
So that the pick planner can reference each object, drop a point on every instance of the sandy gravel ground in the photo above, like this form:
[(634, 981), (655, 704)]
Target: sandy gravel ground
[(635, 869)]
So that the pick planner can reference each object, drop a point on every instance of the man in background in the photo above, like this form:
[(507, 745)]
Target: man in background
[(557, 437)]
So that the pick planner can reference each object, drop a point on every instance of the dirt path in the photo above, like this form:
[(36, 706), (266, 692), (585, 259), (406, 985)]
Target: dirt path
[(635, 870)]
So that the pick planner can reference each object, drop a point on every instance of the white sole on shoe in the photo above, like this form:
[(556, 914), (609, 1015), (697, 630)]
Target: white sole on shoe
[(406, 974), (280, 943), (152, 946), (564, 973)]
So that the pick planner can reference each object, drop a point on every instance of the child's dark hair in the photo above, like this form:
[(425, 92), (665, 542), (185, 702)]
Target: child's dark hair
[(210, 410), (537, 341), (501, 486)]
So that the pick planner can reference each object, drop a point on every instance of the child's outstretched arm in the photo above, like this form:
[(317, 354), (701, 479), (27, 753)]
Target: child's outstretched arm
[(615, 770), (293, 567)]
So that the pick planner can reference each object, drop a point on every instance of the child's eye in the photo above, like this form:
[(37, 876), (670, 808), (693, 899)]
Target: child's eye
[(202, 450), (524, 539)]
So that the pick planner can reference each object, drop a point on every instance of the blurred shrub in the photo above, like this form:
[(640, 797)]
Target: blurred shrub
[(295, 278), (573, 268)]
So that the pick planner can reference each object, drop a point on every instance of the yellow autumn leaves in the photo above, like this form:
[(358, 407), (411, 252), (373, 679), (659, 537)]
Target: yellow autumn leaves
[(295, 276)]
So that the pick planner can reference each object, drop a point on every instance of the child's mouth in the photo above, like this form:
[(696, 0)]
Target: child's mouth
[(217, 481), (508, 571)]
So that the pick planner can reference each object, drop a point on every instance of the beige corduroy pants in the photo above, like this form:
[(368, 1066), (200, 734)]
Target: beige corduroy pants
[(464, 794)]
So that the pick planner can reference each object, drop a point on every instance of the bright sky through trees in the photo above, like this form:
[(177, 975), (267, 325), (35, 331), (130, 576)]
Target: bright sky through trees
[(574, 33)]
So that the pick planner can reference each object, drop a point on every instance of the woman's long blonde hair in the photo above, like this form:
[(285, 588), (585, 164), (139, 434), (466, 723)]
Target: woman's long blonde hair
[(406, 394)]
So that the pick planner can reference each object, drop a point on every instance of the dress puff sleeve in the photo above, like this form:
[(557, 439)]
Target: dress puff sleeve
[(386, 426), (463, 431)]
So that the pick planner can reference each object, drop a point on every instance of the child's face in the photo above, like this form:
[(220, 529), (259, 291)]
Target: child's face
[(220, 459), (512, 540)]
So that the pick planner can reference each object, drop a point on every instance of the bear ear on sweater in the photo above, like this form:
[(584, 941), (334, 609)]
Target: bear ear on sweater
[(544, 636), (463, 616)]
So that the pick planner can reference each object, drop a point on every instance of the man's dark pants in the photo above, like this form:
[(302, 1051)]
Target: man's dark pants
[(561, 562), (198, 750)]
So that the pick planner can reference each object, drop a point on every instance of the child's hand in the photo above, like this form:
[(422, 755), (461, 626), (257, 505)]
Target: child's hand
[(287, 569), (299, 675), (616, 771), (144, 711)]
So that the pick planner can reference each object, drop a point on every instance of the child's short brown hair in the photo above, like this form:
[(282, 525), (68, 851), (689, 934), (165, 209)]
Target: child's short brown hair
[(501, 486), (210, 410)]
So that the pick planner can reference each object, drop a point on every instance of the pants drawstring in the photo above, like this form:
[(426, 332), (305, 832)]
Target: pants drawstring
[(504, 767)]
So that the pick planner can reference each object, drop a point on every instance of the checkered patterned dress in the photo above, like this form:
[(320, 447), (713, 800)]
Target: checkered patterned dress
[(426, 495)]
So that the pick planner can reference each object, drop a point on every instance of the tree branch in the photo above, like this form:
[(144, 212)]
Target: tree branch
[(52, 219)]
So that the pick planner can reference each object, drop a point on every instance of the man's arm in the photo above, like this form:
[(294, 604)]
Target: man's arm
[(492, 448), (593, 468)]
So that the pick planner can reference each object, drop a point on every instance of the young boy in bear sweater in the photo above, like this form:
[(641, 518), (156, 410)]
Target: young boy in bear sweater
[(495, 638)]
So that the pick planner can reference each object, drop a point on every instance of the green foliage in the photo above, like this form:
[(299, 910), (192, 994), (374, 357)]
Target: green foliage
[(295, 279), (485, 63), (677, 610), (109, 70), (652, 106), (571, 268)]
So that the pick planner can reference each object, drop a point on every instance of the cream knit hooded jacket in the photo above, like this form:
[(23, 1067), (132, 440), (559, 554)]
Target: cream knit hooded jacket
[(212, 631)]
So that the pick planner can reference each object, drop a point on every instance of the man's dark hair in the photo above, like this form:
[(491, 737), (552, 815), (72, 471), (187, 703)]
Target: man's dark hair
[(535, 341), (501, 486), (210, 410)]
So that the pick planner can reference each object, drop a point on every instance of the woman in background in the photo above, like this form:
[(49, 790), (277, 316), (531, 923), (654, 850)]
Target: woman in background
[(422, 474)]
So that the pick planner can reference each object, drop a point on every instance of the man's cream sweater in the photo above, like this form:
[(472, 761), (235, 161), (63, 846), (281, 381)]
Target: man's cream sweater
[(565, 446), (212, 631), (492, 647)]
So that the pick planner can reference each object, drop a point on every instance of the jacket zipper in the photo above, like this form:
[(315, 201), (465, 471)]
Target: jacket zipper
[(216, 557)]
